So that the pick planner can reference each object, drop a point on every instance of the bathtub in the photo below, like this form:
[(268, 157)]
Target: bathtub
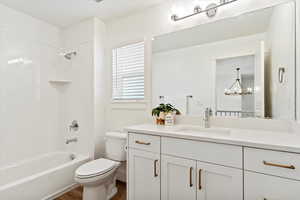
[(41, 178)]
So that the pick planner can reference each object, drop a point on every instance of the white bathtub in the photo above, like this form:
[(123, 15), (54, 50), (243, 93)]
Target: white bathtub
[(43, 177)]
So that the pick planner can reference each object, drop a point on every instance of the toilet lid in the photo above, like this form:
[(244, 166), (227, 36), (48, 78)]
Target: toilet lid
[(96, 167)]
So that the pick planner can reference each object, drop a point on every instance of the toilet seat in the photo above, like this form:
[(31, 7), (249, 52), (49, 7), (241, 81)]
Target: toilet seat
[(95, 168)]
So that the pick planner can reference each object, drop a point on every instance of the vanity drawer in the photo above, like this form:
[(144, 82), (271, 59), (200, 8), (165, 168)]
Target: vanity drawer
[(275, 163), (144, 142), (227, 155), (264, 187)]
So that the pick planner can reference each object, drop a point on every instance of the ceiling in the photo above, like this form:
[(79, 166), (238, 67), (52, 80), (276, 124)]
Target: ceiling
[(67, 12)]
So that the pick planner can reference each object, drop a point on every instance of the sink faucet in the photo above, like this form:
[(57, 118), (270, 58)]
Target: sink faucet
[(71, 140), (207, 115)]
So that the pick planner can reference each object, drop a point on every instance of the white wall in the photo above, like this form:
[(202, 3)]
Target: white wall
[(145, 25), (83, 98), (36, 114), (28, 103), (100, 86), (77, 97), (297, 61)]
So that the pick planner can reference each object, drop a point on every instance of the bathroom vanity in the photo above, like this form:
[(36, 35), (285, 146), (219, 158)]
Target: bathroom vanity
[(190, 162)]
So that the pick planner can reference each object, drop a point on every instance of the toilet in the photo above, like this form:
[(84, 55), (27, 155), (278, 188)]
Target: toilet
[(98, 177)]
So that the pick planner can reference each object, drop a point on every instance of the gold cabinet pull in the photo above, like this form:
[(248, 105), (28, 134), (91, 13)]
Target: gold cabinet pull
[(200, 179), (191, 177), (142, 143), (155, 168), (279, 165)]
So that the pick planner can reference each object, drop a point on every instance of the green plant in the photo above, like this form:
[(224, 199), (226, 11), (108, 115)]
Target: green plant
[(165, 108)]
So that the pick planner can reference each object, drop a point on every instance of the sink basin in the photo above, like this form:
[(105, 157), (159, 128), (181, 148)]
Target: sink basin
[(202, 130)]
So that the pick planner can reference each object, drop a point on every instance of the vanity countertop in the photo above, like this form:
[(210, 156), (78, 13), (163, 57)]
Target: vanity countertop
[(282, 141)]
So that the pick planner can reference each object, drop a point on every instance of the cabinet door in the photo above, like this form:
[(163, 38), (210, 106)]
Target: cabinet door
[(178, 178), (144, 175), (266, 187), (215, 182)]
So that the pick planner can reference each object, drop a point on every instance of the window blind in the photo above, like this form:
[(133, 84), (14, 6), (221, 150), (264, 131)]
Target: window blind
[(128, 72)]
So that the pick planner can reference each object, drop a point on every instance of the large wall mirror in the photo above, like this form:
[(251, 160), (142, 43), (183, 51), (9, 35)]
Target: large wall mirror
[(242, 66)]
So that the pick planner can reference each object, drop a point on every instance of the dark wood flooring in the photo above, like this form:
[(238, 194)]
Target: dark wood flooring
[(76, 194)]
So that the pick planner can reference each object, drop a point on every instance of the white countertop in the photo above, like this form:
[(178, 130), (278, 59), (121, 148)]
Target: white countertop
[(282, 141)]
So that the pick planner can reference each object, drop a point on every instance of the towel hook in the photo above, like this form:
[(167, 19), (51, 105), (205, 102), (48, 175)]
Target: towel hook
[(281, 72)]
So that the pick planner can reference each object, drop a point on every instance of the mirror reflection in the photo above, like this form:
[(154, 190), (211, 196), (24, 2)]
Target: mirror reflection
[(239, 67)]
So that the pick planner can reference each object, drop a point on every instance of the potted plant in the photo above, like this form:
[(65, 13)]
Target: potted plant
[(162, 110)]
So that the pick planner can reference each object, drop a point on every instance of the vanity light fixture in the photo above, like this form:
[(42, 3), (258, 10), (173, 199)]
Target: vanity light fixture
[(210, 10), (236, 88)]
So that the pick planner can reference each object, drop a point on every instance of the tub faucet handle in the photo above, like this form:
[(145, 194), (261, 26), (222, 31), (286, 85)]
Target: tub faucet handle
[(74, 126), (71, 140)]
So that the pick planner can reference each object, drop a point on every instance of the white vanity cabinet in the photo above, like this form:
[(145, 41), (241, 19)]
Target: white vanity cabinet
[(271, 175), (144, 177), (175, 169), (204, 171), (217, 182), (265, 187), (178, 178), (194, 180), (168, 168), (143, 168)]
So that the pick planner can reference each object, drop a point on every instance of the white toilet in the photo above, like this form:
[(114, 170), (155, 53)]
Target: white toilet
[(98, 177)]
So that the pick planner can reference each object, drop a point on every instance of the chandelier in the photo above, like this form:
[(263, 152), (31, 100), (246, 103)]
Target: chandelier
[(236, 88)]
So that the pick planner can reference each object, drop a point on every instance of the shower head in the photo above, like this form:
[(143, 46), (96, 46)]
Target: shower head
[(69, 55)]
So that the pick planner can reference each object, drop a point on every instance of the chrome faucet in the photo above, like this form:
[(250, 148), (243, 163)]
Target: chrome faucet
[(71, 140), (207, 115)]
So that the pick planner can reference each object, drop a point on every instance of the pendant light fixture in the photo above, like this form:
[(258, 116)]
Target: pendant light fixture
[(236, 88)]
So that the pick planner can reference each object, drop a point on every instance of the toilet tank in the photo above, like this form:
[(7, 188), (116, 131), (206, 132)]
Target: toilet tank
[(115, 144)]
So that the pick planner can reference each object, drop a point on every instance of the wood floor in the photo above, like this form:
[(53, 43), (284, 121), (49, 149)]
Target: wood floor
[(76, 194)]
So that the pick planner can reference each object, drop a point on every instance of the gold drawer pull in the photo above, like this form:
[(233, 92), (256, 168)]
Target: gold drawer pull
[(142, 143), (191, 177), (279, 165), (200, 179)]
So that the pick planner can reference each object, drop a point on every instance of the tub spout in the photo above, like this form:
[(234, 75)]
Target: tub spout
[(71, 140)]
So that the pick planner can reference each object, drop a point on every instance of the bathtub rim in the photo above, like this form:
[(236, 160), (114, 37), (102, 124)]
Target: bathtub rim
[(38, 157), (37, 175)]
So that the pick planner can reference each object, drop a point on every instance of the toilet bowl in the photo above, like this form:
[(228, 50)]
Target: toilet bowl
[(98, 177)]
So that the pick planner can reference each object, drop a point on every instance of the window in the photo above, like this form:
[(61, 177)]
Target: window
[(128, 72)]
